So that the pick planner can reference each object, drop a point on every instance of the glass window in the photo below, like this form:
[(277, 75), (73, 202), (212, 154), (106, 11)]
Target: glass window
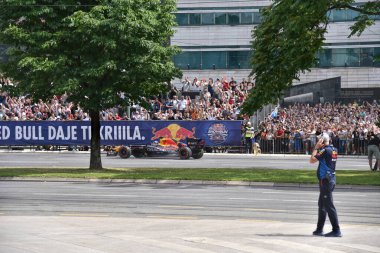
[(233, 18), (208, 19), (246, 17), (214, 60), (220, 18), (338, 15), (366, 57), (374, 17), (376, 52), (325, 58), (239, 60), (188, 60), (351, 15), (256, 17), (182, 18), (339, 57), (353, 57), (195, 18)]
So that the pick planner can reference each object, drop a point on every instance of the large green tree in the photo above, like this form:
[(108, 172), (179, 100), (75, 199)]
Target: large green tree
[(286, 43), (91, 50)]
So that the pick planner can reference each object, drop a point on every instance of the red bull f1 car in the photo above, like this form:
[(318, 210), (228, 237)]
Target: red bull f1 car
[(165, 147)]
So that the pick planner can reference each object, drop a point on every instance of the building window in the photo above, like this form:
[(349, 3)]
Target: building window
[(336, 57), (195, 19), (353, 57), (366, 57), (376, 52), (220, 18), (338, 15), (247, 18), (239, 59), (208, 19), (233, 18), (188, 60), (256, 17), (214, 60), (182, 19)]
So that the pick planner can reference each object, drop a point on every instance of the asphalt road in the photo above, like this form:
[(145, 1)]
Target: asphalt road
[(89, 217), (211, 160)]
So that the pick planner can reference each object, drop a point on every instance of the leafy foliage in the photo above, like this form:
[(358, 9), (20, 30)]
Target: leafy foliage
[(285, 44), (92, 50), (101, 53)]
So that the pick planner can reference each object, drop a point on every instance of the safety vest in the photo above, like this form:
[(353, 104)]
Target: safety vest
[(249, 132)]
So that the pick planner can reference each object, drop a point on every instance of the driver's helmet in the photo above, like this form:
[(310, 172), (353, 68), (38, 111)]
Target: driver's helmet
[(156, 143)]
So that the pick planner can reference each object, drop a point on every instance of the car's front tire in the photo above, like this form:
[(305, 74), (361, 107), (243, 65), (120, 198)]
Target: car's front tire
[(198, 154), (184, 153)]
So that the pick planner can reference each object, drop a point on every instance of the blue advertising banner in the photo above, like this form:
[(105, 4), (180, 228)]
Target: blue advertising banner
[(215, 133)]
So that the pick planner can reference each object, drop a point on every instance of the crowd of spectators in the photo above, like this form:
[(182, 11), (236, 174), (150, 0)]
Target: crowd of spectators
[(294, 129), (219, 100)]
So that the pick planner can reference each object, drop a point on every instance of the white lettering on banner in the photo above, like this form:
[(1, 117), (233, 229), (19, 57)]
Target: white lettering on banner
[(18, 132), (136, 134), (51, 133), (5, 133), (122, 133), (86, 132), (108, 135), (29, 133), (74, 133), (59, 133)]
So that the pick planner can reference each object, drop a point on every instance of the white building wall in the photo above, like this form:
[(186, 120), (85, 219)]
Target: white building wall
[(224, 36)]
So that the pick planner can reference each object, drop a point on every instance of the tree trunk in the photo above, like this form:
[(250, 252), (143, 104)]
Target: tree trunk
[(95, 159)]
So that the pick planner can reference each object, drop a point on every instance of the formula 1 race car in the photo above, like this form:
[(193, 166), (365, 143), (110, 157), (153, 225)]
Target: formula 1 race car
[(166, 147)]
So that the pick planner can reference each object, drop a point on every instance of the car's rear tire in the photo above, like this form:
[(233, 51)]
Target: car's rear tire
[(138, 153), (198, 154), (184, 153), (125, 152)]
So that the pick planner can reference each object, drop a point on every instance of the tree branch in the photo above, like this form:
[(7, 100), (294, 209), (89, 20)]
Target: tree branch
[(354, 8)]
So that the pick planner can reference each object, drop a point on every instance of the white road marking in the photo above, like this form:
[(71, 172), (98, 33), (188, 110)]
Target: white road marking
[(187, 207), (160, 244), (85, 194), (359, 246), (298, 247), (229, 245)]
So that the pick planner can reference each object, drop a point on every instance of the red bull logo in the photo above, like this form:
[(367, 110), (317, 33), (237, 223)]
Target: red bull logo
[(173, 131)]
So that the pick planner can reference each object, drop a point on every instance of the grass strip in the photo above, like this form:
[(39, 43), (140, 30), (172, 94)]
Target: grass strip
[(347, 177)]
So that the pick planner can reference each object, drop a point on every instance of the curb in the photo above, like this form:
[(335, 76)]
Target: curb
[(190, 182)]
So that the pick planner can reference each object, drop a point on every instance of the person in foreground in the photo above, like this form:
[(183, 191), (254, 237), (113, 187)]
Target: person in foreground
[(327, 155)]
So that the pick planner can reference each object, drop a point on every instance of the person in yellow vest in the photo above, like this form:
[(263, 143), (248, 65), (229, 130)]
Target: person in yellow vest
[(249, 135)]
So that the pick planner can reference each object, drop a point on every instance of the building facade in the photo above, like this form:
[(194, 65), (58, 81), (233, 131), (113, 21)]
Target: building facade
[(215, 38)]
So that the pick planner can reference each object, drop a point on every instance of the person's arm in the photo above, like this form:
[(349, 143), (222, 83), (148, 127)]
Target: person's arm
[(318, 145)]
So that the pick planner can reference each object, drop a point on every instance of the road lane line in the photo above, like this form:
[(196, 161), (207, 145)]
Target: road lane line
[(85, 194), (187, 207), (173, 217), (256, 220), (228, 245), (265, 210), (83, 215)]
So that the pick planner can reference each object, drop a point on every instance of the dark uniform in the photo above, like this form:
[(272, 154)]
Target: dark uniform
[(327, 157), (373, 149)]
